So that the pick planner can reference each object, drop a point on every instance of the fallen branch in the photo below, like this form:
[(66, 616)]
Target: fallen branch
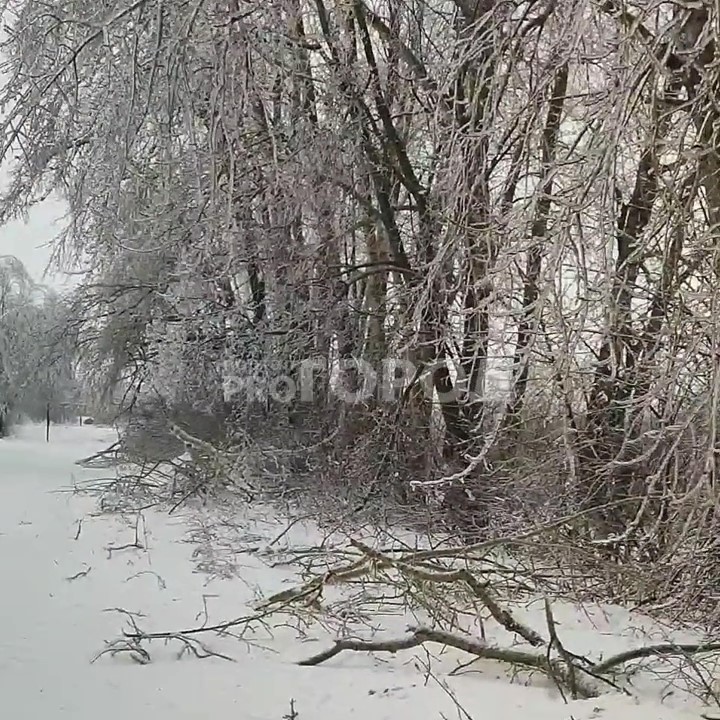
[(564, 671), (132, 641), (552, 667), (480, 590), (313, 587), (100, 459), (580, 676), (564, 654), (663, 649)]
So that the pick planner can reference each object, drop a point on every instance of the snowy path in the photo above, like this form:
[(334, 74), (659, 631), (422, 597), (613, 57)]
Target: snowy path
[(51, 627)]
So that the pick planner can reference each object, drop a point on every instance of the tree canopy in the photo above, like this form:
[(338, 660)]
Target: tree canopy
[(519, 200)]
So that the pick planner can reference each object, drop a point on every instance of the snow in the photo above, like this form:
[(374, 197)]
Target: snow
[(61, 580)]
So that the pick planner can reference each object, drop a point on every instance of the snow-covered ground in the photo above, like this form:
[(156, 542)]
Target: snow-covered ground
[(65, 570)]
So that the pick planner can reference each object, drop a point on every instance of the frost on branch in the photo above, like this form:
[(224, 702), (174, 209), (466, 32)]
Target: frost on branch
[(520, 207)]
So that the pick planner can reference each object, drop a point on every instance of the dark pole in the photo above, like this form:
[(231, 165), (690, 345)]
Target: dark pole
[(47, 423)]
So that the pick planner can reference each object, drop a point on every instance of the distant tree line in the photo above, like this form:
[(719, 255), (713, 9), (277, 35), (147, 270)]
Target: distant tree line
[(37, 351)]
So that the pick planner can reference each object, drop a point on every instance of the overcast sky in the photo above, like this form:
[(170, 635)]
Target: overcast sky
[(29, 242)]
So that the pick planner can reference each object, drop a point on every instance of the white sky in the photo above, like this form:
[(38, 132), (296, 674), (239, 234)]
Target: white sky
[(29, 242)]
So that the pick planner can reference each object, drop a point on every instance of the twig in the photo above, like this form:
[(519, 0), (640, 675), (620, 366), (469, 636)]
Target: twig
[(78, 575), (197, 648), (129, 546), (292, 715), (461, 711), (161, 583)]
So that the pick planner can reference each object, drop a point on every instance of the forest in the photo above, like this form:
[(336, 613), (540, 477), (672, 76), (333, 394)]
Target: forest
[(38, 360), (449, 261)]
